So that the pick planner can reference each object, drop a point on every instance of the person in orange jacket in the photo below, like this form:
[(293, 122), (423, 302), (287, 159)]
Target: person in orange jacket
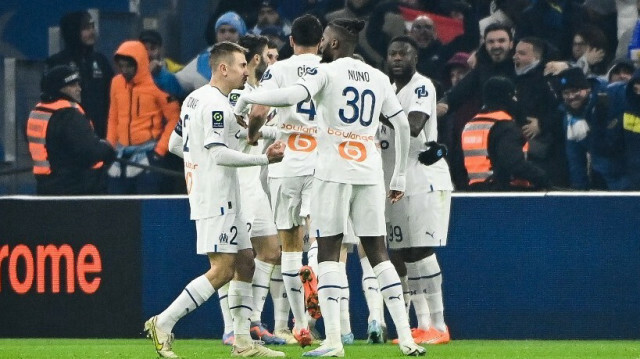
[(141, 118)]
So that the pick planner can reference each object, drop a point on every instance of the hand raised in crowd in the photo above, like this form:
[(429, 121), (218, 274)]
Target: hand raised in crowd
[(442, 109), (594, 55), (275, 152), (555, 67), (532, 129)]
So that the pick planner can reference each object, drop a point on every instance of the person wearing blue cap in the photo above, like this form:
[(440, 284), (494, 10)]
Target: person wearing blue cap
[(228, 27), (268, 16)]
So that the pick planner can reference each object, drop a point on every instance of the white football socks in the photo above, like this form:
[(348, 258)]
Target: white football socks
[(371, 292), (291, 263), (329, 293), (240, 306), (281, 305), (345, 316), (391, 290), (260, 285), (430, 269), (194, 294)]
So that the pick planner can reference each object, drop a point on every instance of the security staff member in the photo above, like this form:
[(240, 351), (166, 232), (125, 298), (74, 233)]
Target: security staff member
[(494, 146), (68, 157)]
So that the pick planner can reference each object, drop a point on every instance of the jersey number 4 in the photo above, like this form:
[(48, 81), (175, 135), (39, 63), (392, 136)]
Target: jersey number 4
[(185, 146), (310, 111)]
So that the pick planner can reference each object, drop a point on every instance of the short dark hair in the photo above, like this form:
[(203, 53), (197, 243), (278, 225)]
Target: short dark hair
[(224, 49), (306, 30), (348, 29), (594, 36), (537, 44), (150, 36), (254, 44), (498, 26), (406, 39)]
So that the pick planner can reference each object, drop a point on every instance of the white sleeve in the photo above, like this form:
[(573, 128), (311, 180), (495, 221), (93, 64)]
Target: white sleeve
[(391, 106), (421, 99), (215, 125), (175, 144), (224, 156), (314, 81), (277, 98), (271, 79), (402, 135), (269, 132)]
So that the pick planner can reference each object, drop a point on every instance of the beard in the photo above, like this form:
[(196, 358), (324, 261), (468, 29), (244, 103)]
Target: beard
[(326, 56), (260, 69)]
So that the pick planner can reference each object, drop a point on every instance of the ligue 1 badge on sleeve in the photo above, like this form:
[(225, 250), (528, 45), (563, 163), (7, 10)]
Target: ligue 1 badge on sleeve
[(217, 119)]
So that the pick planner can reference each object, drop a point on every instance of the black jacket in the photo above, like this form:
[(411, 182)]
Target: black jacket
[(73, 148), (507, 159), (470, 87), (94, 68)]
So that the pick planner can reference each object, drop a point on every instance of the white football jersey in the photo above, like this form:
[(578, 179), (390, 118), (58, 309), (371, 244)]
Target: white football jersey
[(418, 95), (296, 124), (349, 96), (206, 120)]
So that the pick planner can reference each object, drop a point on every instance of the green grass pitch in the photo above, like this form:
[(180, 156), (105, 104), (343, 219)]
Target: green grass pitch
[(191, 348)]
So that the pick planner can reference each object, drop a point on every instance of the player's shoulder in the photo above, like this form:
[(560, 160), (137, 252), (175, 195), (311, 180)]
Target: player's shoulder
[(421, 85)]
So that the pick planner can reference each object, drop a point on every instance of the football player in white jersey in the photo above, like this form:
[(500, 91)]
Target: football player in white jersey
[(257, 210), (420, 222), (206, 137), (348, 182), (290, 180)]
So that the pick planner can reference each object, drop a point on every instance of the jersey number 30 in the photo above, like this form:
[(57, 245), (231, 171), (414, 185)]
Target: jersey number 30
[(358, 103)]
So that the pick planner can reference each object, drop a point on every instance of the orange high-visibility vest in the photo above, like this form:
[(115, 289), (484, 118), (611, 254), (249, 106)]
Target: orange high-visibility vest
[(475, 146), (37, 133)]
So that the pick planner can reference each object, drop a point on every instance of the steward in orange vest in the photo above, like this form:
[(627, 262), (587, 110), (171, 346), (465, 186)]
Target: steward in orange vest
[(67, 155), (494, 147)]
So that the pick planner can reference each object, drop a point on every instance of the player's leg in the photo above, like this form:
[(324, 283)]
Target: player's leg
[(346, 336), (223, 297), (328, 227), (267, 249), (210, 233), (367, 215), (287, 203), (281, 306), (375, 322), (433, 225), (241, 300)]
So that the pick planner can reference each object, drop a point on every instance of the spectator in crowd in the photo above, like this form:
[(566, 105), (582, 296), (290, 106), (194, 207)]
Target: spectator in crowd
[(507, 12), (590, 50), (554, 21), (450, 126), (141, 118), (494, 146), (423, 30), (592, 133), (268, 15), (228, 27), (68, 157), (384, 23), (537, 103), (631, 125), (620, 71), (161, 68), (625, 33), (353, 9), (79, 35), (275, 35), (493, 59)]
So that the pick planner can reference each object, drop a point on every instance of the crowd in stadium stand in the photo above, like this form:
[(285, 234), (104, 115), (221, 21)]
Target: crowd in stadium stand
[(573, 63)]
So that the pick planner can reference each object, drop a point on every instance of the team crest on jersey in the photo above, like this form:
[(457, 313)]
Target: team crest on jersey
[(421, 91), (266, 76), (304, 70), (233, 98), (217, 119)]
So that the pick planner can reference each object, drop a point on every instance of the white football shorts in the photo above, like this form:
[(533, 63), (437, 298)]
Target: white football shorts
[(421, 220), (335, 203), (227, 233), (290, 200)]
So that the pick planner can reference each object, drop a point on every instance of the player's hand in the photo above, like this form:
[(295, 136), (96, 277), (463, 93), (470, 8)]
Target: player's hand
[(275, 152), (395, 196), (240, 120), (532, 129)]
